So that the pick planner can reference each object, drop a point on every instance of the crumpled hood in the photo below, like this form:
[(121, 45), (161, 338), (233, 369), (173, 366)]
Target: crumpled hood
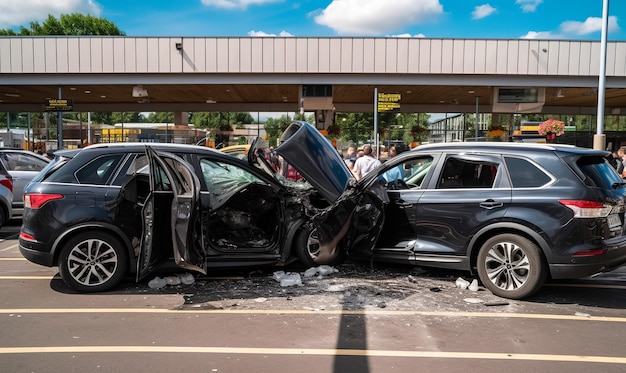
[(313, 156)]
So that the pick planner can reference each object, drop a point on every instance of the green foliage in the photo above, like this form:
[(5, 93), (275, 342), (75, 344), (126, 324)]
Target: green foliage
[(161, 117), (358, 128), (217, 120), (68, 24), (274, 127)]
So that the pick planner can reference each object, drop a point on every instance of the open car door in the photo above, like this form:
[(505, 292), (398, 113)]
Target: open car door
[(354, 216), (169, 214)]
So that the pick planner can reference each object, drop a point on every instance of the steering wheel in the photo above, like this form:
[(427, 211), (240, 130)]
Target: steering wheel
[(397, 185)]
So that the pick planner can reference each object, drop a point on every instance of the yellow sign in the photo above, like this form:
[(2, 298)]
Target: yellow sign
[(388, 106), (389, 97), (389, 102), (59, 104)]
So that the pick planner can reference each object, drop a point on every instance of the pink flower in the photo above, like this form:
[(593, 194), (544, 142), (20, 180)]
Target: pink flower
[(556, 127)]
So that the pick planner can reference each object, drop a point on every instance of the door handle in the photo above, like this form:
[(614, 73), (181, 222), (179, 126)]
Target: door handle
[(403, 204), (491, 204)]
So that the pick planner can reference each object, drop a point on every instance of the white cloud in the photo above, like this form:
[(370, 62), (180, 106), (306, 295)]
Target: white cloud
[(483, 11), (408, 36), (234, 4), (263, 33), (540, 35), (528, 6), (591, 24), (20, 13), (376, 17)]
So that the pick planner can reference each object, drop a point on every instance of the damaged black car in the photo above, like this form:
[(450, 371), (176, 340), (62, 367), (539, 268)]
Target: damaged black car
[(107, 210)]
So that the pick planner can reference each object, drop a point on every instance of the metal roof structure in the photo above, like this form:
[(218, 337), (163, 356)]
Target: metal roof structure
[(267, 74)]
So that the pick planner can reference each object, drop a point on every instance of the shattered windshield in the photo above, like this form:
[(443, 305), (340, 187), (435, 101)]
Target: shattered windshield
[(224, 179)]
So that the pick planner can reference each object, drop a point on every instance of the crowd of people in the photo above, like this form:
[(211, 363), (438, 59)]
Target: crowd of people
[(360, 162)]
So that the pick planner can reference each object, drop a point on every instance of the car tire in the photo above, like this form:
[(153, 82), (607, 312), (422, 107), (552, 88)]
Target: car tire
[(511, 266), (3, 215), (308, 248), (93, 262)]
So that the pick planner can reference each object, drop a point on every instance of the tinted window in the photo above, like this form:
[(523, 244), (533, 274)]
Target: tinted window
[(99, 170), (598, 172), (467, 173), (525, 174)]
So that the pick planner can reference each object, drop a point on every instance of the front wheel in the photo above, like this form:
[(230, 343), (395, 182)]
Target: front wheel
[(311, 252), (510, 266), (93, 262)]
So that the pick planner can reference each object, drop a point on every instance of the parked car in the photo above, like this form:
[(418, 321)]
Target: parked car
[(239, 151), (114, 209), (515, 214), (22, 165), (6, 195)]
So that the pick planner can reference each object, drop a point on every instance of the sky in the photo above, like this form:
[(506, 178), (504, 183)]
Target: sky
[(496, 19)]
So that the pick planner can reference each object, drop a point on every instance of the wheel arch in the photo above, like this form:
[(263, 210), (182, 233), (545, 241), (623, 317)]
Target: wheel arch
[(102, 227), (292, 233), (486, 233)]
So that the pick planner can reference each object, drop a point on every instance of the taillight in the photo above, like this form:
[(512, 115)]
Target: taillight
[(27, 237), (590, 253), (587, 209), (7, 182), (36, 200)]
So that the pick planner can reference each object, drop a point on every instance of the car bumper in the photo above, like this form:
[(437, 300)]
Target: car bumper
[(580, 267), (36, 256)]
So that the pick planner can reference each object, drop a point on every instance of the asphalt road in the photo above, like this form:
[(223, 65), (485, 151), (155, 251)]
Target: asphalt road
[(360, 319)]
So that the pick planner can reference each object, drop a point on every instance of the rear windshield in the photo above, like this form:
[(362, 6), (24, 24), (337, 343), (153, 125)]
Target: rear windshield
[(598, 172)]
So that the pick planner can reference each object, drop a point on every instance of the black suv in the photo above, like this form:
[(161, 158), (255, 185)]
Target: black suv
[(514, 213)]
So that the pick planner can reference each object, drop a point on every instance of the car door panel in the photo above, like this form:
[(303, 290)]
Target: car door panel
[(457, 204), (168, 215)]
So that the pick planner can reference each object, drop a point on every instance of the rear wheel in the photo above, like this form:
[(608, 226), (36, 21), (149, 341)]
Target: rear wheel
[(3, 215), (92, 262), (309, 248), (511, 266)]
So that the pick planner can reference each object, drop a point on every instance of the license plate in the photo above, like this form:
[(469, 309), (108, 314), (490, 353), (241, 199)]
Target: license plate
[(614, 221)]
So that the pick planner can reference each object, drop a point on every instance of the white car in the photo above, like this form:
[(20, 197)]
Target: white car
[(22, 166), (6, 195)]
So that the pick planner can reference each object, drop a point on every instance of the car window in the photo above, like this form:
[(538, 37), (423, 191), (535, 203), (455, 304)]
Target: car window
[(99, 170), (410, 172), (467, 173), (525, 174), (598, 172), (222, 178), (181, 178), (22, 162)]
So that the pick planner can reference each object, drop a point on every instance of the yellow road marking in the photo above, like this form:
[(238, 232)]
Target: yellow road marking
[(314, 351), (313, 312), (11, 259)]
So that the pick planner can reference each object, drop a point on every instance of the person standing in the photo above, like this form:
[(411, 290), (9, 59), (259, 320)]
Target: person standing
[(366, 163), (395, 173), (621, 162)]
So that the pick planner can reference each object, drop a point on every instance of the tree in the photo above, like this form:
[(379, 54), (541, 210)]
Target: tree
[(68, 24), (161, 117), (274, 127)]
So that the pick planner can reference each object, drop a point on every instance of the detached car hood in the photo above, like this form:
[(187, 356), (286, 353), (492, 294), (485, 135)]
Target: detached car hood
[(313, 156)]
